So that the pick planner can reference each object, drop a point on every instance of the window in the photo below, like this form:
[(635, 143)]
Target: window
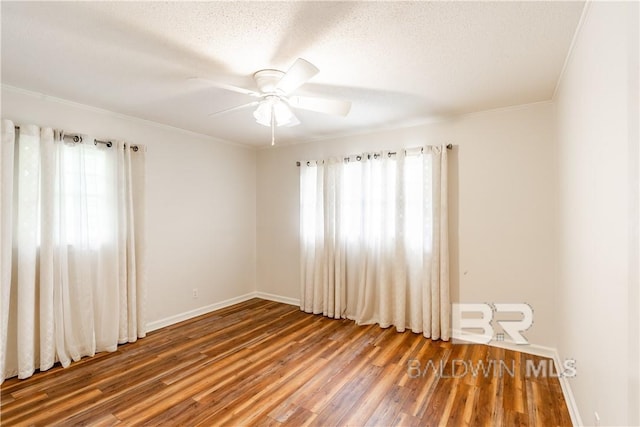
[(81, 189), (372, 199)]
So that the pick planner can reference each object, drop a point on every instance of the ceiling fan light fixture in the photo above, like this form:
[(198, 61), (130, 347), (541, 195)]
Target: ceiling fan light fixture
[(281, 111), (262, 114)]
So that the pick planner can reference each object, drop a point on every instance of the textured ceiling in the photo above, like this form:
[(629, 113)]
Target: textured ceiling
[(398, 62)]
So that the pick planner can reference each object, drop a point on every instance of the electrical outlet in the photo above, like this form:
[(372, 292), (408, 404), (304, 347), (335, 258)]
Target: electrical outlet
[(195, 293), (596, 418)]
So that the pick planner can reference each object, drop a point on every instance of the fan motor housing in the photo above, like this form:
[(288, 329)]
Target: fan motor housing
[(267, 80)]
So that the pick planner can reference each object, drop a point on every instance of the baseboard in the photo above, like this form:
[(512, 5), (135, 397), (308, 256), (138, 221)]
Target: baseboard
[(167, 321), (508, 344), (572, 406), (542, 351), (278, 298)]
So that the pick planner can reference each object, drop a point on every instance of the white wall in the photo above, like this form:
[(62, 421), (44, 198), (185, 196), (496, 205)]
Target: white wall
[(201, 202), (597, 119), (502, 181)]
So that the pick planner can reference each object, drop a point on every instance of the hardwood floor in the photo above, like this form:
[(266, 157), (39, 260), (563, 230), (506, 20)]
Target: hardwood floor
[(266, 363)]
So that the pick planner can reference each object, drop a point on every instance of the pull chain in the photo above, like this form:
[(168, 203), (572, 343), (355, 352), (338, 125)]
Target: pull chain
[(273, 127)]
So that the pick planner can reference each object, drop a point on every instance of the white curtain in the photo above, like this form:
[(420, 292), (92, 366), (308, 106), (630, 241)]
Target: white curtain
[(374, 240), (72, 253)]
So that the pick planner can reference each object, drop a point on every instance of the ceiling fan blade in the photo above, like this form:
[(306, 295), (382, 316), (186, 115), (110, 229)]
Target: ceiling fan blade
[(228, 87), (336, 107), (239, 107), (296, 76)]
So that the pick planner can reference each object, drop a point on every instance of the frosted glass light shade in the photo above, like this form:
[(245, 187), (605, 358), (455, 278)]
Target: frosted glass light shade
[(281, 111)]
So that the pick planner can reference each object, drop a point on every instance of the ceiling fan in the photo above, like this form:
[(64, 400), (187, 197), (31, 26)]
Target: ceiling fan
[(275, 102)]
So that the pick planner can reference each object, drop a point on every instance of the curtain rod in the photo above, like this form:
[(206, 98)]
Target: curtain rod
[(75, 138), (391, 153)]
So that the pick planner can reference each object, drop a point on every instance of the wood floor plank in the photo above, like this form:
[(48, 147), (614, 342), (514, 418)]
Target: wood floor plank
[(425, 384), (337, 360), (269, 390), (264, 363), (349, 394), (404, 419)]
